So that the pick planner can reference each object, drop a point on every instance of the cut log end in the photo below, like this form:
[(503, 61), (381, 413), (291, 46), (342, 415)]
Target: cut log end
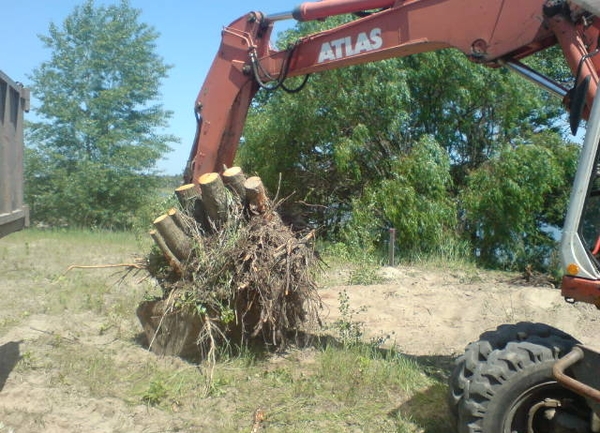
[(160, 219), (255, 194), (214, 196), (232, 172), (254, 183), (208, 178), (184, 189), (234, 179)]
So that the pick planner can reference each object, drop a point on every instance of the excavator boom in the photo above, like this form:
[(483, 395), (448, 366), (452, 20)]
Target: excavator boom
[(493, 33)]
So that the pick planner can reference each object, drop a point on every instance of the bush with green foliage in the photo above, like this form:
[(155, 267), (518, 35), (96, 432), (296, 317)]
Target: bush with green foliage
[(414, 200), (515, 202), (358, 142)]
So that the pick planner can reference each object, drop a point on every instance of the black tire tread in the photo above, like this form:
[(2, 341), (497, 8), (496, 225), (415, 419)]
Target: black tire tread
[(503, 365), (479, 351), (490, 363)]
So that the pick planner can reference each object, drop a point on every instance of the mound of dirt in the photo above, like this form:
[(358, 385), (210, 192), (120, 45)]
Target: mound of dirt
[(427, 311)]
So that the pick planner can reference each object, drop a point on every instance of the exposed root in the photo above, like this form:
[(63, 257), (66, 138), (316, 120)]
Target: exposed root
[(129, 266), (248, 277)]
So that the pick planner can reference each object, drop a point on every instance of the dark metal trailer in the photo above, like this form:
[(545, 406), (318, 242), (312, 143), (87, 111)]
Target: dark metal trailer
[(14, 101)]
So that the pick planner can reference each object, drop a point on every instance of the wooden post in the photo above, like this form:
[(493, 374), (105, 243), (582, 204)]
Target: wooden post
[(392, 246), (214, 197), (255, 194), (175, 239), (234, 179)]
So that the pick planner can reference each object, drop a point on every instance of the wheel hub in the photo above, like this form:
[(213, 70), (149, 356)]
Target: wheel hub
[(561, 420), (539, 414)]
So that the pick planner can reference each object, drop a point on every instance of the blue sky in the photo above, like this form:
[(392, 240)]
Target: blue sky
[(190, 33)]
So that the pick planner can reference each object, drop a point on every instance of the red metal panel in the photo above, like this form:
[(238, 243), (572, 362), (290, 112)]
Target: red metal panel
[(581, 290)]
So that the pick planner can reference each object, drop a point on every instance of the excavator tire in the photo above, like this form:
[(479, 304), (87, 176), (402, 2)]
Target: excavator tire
[(501, 382), (480, 350)]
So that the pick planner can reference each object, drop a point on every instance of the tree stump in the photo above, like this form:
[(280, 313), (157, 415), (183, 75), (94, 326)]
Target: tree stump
[(234, 179), (256, 195), (237, 272), (169, 256), (179, 221), (187, 195), (214, 197)]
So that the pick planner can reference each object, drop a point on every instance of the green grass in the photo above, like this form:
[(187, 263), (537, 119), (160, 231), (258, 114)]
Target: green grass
[(354, 266), (35, 263), (80, 337), (329, 389)]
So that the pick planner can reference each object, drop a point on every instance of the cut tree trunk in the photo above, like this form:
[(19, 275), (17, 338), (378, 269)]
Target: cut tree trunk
[(256, 195), (176, 216), (187, 195), (234, 179), (214, 197), (169, 256), (175, 239), (190, 199)]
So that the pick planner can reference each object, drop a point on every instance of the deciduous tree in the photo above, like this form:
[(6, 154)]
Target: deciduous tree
[(353, 135), (93, 150), (515, 202)]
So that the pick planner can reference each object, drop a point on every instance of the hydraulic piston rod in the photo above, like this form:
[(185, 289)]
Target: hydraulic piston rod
[(281, 16), (535, 77), (326, 8)]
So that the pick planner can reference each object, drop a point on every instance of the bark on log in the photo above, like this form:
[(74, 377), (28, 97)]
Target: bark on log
[(190, 199), (214, 197), (174, 237), (200, 215), (176, 216), (255, 194), (187, 195), (169, 256), (234, 179)]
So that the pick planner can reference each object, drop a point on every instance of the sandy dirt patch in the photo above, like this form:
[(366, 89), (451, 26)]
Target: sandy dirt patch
[(424, 311)]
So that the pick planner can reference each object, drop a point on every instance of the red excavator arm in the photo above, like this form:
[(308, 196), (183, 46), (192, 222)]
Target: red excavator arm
[(491, 32)]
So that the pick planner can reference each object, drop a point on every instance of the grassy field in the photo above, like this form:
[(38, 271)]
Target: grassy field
[(72, 358)]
